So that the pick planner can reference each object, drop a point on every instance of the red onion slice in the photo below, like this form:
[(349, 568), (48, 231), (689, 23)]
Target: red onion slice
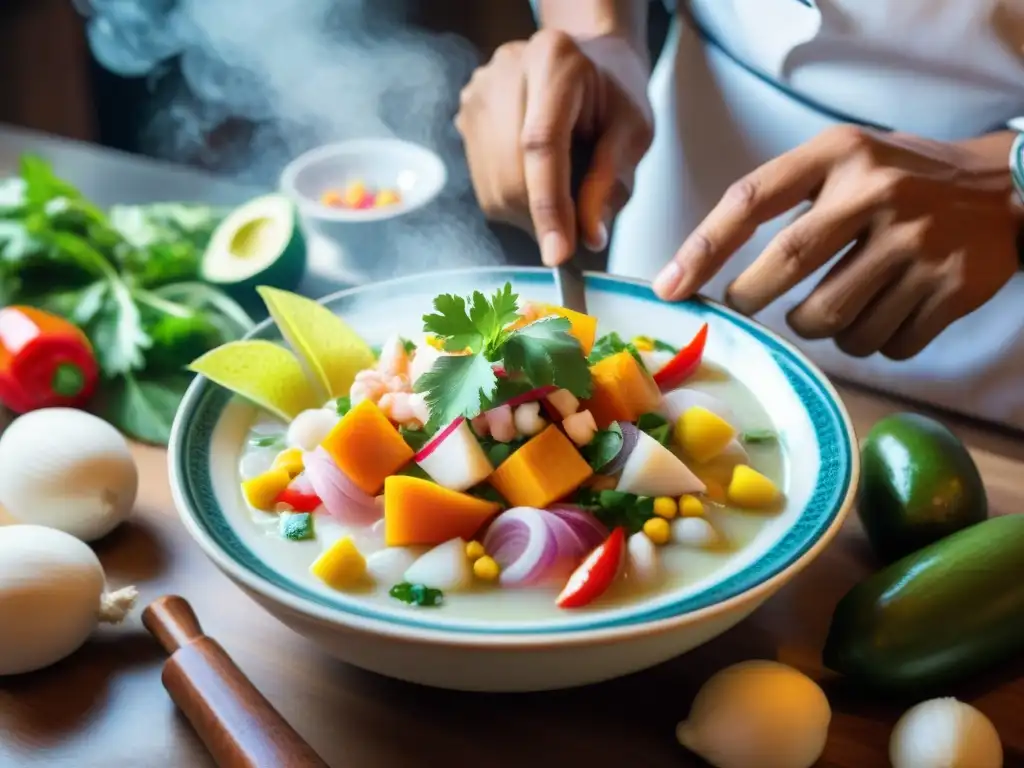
[(630, 436), (343, 499), (523, 544), (534, 394), (588, 528)]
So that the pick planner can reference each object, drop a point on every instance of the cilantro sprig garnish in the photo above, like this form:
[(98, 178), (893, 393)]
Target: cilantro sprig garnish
[(482, 335)]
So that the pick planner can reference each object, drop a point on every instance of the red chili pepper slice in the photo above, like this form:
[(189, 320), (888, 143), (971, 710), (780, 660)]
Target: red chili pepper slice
[(300, 501), (45, 361), (684, 364), (595, 574)]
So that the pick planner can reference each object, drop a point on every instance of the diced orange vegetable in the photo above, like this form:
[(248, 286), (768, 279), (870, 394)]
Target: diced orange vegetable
[(418, 511), (332, 198), (367, 447), (544, 470), (622, 390), (354, 194), (583, 327)]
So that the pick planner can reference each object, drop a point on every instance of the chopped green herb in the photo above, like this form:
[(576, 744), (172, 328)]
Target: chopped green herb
[(487, 493), (417, 594), (412, 469), (615, 508), (610, 344), (266, 441), (604, 447), (410, 346), (655, 426), (343, 405), (657, 344), (755, 436), (539, 354), (297, 526), (498, 452), (415, 438)]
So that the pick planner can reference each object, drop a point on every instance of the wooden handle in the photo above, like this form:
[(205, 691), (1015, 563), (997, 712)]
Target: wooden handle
[(238, 725), (172, 622)]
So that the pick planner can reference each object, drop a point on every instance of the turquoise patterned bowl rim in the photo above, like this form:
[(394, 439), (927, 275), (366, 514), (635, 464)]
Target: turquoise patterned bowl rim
[(832, 497)]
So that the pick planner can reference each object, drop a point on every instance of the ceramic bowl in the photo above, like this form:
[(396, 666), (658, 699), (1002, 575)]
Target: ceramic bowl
[(426, 646), (357, 238)]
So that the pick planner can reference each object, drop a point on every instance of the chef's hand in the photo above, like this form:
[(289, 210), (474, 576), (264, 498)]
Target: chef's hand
[(519, 115), (933, 228)]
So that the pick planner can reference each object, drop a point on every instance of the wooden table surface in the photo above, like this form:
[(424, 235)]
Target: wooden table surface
[(105, 707)]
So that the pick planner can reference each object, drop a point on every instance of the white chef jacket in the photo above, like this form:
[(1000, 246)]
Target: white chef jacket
[(742, 81)]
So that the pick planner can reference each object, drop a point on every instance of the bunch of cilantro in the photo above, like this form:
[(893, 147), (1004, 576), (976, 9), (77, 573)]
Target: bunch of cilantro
[(129, 278), (499, 360)]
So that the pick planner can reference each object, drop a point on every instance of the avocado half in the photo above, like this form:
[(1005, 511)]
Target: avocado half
[(258, 243)]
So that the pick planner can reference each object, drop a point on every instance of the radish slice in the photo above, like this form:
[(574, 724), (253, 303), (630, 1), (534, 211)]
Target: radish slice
[(564, 401), (653, 470), (580, 427), (342, 498), (675, 403), (454, 458), (523, 544), (502, 427), (444, 567)]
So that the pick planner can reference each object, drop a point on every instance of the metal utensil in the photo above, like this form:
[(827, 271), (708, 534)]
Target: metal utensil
[(569, 279)]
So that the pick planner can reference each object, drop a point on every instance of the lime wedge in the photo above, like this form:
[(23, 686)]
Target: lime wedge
[(332, 352), (262, 372)]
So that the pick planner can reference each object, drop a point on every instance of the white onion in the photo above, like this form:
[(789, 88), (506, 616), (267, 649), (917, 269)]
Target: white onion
[(445, 567), (52, 596), (310, 427), (69, 470), (389, 565), (694, 532), (945, 733), (644, 563), (677, 401)]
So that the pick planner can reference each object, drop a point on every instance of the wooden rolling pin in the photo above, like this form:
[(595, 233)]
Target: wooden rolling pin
[(238, 725)]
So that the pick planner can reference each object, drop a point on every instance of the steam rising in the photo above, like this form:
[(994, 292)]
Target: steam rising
[(293, 74)]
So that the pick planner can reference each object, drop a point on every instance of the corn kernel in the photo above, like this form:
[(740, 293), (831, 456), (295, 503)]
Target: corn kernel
[(690, 506), (643, 344), (354, 194), (340, 567), (290, 460), (386, 197), (665, 506), (475, 550), (658, 530), (486, 568), (261, 490)]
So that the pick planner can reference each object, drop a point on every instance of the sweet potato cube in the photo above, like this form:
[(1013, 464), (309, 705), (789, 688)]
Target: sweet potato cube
[(418, 511), (581, 326), (544, 470), (367, 447), (622, 390)]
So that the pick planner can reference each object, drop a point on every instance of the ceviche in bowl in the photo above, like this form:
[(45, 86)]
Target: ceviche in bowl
[(477, 488)]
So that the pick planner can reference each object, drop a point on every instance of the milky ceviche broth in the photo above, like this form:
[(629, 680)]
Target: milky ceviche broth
[(504, 462)]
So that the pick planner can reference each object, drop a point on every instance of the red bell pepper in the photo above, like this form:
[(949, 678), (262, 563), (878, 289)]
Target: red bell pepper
[(298, 499), (595, 574), (684, 364), (45, 361)]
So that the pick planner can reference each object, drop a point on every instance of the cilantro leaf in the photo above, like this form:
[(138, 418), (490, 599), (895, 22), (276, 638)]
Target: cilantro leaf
[(417, 594), (605, 446), (343, 405), (490, 317), (457, 385), (547, 354), (610, 344), (756, 436), (415, 438), (616, 508), (453, 324), (656, 426), (143, 409)]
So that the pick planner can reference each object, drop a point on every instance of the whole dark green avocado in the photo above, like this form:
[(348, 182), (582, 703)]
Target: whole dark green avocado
[(918, 485)]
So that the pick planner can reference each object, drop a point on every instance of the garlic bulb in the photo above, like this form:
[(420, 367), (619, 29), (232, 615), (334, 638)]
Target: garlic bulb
[(945, 733), (52, 596), (758, 714), (67, 469)]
